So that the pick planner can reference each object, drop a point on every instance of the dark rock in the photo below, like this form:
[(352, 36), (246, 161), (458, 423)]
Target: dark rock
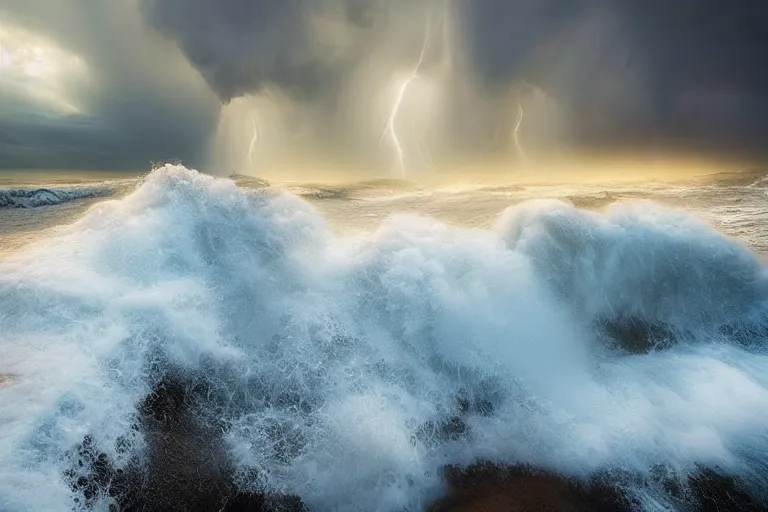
[(751, 335), (479, 405), (716, 492), (432, 433), (95, 476), (186, 466), (489, 488), (455, 427), (256, 502), (637, 336)]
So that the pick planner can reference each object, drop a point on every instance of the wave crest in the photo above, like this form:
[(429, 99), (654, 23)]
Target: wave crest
[(639, 260), (348, 371), (49, 196)]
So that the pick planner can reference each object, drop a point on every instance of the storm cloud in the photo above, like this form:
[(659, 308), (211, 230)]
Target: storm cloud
[(635, 74), (687, 73), (133, 99)]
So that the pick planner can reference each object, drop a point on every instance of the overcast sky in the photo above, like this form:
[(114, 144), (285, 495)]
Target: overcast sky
[(115, 84)]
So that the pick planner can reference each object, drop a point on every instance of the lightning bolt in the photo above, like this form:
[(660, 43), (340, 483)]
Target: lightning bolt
[(390, 128), (516, 132), (254, 139)]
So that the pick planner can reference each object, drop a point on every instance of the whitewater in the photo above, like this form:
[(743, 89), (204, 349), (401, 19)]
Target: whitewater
[(331, 360)]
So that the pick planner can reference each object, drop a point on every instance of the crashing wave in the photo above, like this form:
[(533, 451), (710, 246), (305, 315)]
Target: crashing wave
[(350, 371), (49, 196)]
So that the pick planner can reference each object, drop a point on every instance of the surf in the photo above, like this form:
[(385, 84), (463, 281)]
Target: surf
[(348, 371)]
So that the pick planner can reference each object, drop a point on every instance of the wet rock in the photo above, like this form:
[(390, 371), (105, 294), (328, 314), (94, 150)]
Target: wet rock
[(490, 488), (94, 475), (637, 336), (186, 466), (256, 502), (454, 427), (716, 492), (753, 335), (487, 487), (474, 405), (433, 433)]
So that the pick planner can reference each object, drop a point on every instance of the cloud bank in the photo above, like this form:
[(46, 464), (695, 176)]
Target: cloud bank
[(133, 98), (158, 77)]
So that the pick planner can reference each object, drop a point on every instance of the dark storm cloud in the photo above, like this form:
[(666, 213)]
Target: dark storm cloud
[(241, 46), (630, 73), (708, 66), (34, 138), (311, 51), (138, 101), (684, 71)]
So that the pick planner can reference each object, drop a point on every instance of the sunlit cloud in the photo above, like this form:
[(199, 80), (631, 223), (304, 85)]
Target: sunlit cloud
[(35, 69)]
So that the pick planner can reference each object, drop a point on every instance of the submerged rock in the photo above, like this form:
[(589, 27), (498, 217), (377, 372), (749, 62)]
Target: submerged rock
[(186, 466), (489, 488), (453, 427), (637, 336), (716, 492)]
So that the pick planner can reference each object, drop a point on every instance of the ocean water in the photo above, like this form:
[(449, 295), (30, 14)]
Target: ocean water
[(337, 326), (31, 203)]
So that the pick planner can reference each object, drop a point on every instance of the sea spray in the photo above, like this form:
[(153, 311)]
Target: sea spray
[(350, 371)]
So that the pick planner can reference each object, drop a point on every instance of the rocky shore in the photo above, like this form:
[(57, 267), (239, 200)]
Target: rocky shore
[(490, 488), (186, 468)]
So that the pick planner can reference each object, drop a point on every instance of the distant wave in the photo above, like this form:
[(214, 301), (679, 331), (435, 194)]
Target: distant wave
[(349, 372), (29, 197), (350, 190), (246, 181)]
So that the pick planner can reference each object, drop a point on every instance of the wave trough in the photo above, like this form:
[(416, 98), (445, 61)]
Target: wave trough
[(333, 365)]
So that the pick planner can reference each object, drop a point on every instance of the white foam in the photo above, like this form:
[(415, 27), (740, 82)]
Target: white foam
[(337, 351)]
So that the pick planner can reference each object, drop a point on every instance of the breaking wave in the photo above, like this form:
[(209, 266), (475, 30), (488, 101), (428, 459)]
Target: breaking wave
[(349, 371), (48, 196)]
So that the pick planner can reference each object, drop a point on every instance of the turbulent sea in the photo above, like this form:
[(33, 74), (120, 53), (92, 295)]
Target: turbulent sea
[(348, 342)]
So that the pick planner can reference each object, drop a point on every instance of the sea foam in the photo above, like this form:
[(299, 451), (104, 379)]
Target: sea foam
[(333, 364)]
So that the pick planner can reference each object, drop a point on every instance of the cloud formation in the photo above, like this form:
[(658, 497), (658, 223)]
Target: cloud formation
[(156, 75), (634, 71), (133, 98), (304, 46)]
